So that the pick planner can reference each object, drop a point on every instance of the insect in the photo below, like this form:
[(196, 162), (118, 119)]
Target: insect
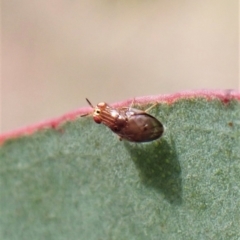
[(128, 123)]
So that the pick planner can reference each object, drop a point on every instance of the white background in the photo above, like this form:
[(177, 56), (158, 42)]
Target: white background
[(57, 52)]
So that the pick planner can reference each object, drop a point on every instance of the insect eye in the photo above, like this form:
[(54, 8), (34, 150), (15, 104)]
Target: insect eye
[(97, 119), (98, 111)]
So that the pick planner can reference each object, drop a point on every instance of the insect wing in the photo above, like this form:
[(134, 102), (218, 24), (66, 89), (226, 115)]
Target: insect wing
[(141, 127)]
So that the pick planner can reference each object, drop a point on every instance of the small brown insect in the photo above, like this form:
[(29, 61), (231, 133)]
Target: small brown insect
[(128, 123)]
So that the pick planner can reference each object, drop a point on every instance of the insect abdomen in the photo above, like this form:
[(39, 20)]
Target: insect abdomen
[(142, 128)]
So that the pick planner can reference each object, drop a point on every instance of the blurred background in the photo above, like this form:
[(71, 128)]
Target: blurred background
[(57, 52)]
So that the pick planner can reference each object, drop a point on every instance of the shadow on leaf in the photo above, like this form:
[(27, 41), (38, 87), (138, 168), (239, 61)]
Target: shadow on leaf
[(158, 167)]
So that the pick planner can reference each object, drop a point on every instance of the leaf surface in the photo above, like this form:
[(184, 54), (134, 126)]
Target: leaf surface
[(78, 181)]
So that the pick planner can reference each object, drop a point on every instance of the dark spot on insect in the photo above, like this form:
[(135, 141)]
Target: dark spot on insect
[(115, 129), (230, 124)]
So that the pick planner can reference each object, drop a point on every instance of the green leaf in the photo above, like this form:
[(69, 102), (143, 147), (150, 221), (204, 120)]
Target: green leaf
[(79, 181)]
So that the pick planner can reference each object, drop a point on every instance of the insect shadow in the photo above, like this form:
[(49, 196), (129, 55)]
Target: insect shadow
[(158, 168)]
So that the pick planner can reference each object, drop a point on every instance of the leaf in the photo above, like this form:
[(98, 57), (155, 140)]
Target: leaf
[(78, 181)]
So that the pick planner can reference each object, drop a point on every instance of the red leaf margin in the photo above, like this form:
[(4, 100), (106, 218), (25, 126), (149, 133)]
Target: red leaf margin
[(224, 95)]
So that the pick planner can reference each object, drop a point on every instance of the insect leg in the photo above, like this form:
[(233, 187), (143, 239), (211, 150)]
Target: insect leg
[(132, 103), (154, 105)]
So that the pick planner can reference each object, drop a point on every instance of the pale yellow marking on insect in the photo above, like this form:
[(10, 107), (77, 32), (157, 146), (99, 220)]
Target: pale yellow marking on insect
[(101, 104)]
